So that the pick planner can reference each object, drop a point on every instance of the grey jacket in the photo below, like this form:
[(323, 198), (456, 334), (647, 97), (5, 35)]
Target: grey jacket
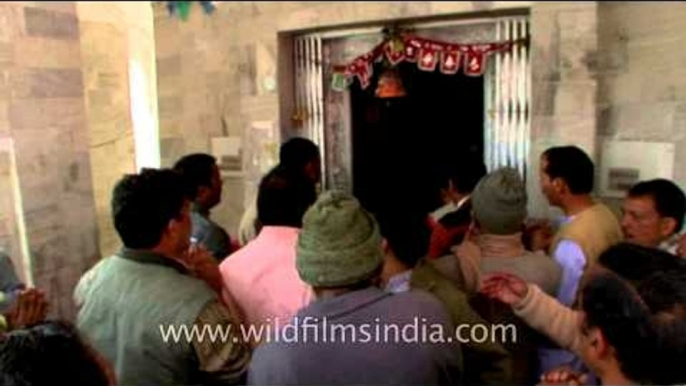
[(211, 235), (321, 357)]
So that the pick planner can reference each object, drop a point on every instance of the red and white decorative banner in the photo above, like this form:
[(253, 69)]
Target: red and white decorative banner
[(450, 60), (475, 56), (412, 46), (394, 54), (428, 54)]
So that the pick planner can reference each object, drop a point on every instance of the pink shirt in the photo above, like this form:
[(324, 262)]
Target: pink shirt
[(263, 280)]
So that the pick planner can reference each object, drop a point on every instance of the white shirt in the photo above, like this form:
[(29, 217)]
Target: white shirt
[(571, 258), (399, 283), (448, 208)]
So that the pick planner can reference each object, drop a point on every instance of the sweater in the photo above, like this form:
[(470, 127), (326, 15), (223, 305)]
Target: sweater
[(335, 349), (548, 316), (594, 230)]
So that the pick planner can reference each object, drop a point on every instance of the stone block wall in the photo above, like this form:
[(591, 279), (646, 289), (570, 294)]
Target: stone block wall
[(44, 122), (601, 71), (642, 75), (114, 36), (215, 71), (564, 45)]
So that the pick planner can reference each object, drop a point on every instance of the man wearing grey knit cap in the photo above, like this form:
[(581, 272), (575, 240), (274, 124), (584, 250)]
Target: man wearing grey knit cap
[(342, 336), (499, 210)]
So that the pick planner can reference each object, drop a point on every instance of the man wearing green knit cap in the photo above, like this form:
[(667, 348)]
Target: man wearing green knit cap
[(354, 332)]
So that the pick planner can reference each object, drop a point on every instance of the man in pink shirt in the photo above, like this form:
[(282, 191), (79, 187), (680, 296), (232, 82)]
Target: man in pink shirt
[(261, 277)]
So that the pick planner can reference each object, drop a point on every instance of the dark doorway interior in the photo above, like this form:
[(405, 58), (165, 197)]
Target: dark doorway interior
[(401, 146)]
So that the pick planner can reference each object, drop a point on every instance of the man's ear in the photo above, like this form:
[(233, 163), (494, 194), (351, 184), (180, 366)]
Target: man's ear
[(559, 185), (203, 192), (667, 226), (172, 225), (385, 247), (600, 346)]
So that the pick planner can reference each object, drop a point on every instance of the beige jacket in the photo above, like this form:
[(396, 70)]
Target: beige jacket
[(549, 317)]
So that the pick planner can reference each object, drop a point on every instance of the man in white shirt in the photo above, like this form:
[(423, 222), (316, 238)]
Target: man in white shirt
[(587, 229)]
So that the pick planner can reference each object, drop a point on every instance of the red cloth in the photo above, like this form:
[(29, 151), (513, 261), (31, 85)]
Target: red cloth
[(443, 238)]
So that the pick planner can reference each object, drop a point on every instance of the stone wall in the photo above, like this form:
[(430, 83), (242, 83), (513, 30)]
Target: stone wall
[(564, 59), (642, 75), (601, 71), (114, 37), (215, 71), (44, 121)]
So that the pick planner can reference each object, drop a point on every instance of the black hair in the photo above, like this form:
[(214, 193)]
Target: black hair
[(669, 199), (196, 170), (283, 198), (466, 173), (668, 360), (665, 291), (665, 294), (143, 204), (405, 228), (298, 152), (572, 165), (48, 353), (659, 279), (635, 263), (614, 307)]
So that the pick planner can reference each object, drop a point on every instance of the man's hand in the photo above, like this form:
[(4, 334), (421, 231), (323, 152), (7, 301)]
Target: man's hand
[(509, 289), (202, 264), (563, 376), (30, 308), (538, 235)]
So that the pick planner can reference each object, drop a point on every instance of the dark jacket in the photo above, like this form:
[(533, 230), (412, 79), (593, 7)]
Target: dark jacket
[(485, 363), (316, 359)]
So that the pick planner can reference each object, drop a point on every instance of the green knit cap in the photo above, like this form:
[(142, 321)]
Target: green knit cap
[(339, 243), (499, 202)]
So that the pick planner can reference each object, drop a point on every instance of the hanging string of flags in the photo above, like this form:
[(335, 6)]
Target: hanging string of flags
[(427, 53)]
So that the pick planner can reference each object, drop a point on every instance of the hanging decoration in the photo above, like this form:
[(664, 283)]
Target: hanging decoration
[(427, 53), (183, 8), (390, 84)]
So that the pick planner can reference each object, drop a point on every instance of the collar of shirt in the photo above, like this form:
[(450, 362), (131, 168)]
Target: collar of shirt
[(271, 232), (671, 244), (344, 304), (564, 220), (462, 201), (148, 257), (442, 211), (399, 283)]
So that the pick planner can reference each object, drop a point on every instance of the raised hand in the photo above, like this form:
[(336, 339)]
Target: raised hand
[(563, 376), (202, 264), (538, 235), (30, 308), (509, 289)]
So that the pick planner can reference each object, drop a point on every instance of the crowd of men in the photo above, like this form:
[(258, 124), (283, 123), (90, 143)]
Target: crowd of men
[(594, 298)]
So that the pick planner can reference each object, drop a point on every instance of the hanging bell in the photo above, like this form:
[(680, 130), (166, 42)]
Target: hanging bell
[(390, 84)]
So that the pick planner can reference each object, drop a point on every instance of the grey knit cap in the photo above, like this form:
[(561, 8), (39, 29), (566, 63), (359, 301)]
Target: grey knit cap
[(499, 202), (339, 243)]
